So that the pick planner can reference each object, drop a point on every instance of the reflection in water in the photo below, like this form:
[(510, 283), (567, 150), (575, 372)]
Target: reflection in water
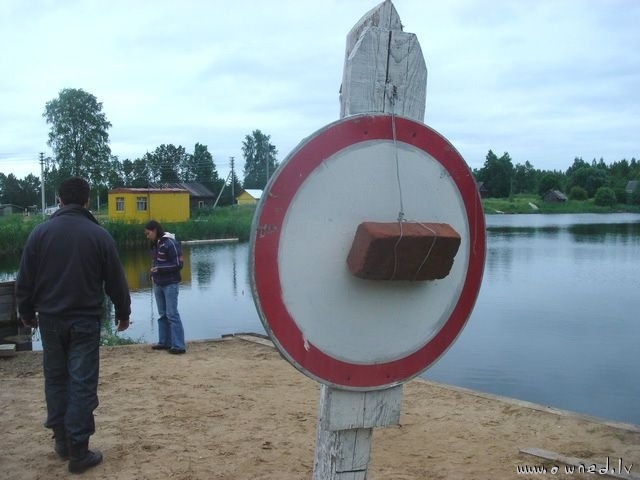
[(204, 273), (555, 317)]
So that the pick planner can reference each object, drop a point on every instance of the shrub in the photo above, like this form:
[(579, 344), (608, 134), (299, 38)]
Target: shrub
[(621, 195), (578, 193), (605, 197)]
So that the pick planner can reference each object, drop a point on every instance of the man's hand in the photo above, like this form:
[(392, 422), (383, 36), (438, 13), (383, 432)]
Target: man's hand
[(122, 325), (30, 322)]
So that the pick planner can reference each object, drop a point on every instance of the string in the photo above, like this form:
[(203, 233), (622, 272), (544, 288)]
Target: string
[(392, 96)]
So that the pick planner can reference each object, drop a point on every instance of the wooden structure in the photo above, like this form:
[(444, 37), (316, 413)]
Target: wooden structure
[(143, 204), (249, 197), (554, 196), (199, 195), (9, 323), (362, 338), (384, 71)]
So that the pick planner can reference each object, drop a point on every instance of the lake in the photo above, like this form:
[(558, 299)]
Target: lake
[(556, 321)]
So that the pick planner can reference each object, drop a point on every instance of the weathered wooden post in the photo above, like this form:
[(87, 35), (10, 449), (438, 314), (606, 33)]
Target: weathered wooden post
[(367, 247), (384, 72)]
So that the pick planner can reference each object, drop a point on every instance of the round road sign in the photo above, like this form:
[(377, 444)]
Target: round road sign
[(350, 332)]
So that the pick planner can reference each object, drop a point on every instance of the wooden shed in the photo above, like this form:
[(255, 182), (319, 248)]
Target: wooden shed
[(143, 204), (554, 196)]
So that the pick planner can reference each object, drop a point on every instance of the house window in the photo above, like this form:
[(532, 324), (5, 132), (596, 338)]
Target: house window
[(141, 204), (119, 204), (200, 203)]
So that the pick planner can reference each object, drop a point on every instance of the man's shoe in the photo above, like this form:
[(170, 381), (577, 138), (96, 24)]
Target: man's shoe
[(81, 464), (157, 346), (177, 351)]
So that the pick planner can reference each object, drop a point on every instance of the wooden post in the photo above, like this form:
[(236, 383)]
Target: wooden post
[(384, 72)]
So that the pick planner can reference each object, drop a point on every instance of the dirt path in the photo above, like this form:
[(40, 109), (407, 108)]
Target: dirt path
[(232, 409)]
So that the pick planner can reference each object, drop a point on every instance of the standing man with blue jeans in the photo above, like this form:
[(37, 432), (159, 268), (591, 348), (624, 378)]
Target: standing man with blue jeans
[(68, 264), (166, 263)]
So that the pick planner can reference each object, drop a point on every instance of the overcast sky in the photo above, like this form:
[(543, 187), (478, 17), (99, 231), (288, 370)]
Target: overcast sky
[(544, 80)]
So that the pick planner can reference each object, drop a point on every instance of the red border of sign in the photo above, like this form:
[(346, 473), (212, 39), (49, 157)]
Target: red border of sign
[(267, 226)]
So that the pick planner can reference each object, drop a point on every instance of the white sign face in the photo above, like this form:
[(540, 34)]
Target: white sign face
[(348, 318), (334, 327)]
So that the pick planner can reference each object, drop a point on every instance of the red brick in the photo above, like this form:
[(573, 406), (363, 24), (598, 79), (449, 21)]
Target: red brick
[(403, 251)]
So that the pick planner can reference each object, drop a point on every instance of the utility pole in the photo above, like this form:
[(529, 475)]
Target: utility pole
[(42, 180), (233, 178)]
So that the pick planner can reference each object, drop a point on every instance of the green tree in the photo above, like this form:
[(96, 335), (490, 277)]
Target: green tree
[(497, 175), (605, 197), (23, 193), (590, 178), (140, 175), (524, 178), (200, 167), (166, 163), (550, 180), (78, 136), (260, 160), (578, 193)]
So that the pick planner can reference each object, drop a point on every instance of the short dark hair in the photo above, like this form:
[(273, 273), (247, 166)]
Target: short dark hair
[(74, 190)]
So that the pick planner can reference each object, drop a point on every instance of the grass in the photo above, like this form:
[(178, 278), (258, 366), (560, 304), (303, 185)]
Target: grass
[(522, 204), (223, 222)]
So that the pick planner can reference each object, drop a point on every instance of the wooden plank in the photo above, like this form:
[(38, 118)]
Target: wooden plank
[(614, 468), (355, 450), (376, 408), (7, 350)]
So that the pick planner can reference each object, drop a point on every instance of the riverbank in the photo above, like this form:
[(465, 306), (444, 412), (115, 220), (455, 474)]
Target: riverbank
[(232, 409)]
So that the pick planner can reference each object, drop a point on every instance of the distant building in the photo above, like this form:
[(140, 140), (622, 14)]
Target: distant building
[(554, 196), (482, 189), (632, 186), (9, 209), (249, 197), (199, 195), (143, 204)]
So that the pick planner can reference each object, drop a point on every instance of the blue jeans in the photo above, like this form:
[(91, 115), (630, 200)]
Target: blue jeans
[(170, 331), (71, 364)]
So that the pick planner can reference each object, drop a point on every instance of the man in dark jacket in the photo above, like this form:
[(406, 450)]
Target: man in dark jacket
[(67, 265)]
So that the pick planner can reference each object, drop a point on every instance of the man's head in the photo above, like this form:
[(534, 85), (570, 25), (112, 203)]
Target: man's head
[(74, 190)]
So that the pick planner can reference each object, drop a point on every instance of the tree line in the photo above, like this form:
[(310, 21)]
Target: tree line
[(79, 140), (607, 184)]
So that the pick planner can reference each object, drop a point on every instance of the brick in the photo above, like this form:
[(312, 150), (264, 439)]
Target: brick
[(403, 251)]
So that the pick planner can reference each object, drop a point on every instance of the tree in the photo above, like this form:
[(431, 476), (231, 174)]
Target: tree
[(200, 167), (79, 135), (260, 160), (524, 178), (590, 178), (497, 175), (578, 193), (23, 193), (550, 181), (165, 163)]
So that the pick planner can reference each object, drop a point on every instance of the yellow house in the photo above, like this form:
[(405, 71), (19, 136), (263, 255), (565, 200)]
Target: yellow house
[(143, 204), (249, 197)]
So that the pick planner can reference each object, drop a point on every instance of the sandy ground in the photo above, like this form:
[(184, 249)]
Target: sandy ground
[(234, 409)]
